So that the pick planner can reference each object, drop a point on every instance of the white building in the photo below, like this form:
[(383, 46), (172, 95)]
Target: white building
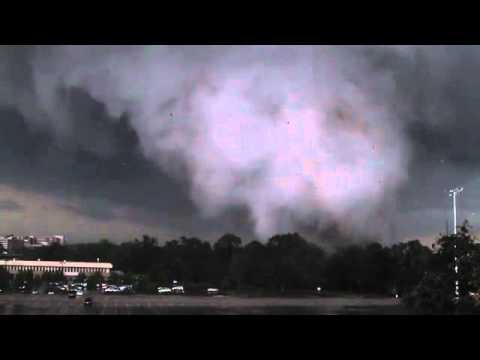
[(11, 243), (14, 243), (4, 242), (34, 241), (69, 268)]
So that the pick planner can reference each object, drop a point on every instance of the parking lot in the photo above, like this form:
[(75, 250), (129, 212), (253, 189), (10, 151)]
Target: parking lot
[(18, 304)]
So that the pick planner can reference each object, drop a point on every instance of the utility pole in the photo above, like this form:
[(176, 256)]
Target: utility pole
[(453, 194)]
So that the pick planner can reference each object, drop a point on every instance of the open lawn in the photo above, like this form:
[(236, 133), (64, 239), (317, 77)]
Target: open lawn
[(19, 304)]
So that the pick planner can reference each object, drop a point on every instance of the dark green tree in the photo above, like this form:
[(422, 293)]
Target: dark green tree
[(432, 296), (225, 249), (411, 261), (377, 270), (115, 278), (343, 269), (94, 280), (436, 291), (81, 278), (293, 263), (24, 278), (5, 279), (36, 282), (462, 247), (250, 270), (144, 285)]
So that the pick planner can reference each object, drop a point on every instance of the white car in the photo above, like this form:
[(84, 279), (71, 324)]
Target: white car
[(51, 293), (79, 292), (212, 291), (178, 290), (164, 290), (111, 290)]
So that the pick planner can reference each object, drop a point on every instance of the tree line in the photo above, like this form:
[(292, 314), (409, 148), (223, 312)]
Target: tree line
[(288, 263), (284, 263)]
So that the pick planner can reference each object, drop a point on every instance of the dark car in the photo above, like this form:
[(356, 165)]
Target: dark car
[(88, 301), (72, 294)]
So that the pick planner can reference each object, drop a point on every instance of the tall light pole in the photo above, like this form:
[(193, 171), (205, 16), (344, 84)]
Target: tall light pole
[(453, 194)]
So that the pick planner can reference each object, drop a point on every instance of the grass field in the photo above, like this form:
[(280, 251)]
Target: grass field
[(18, 304)]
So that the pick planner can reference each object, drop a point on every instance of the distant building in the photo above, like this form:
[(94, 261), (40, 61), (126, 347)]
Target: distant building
[(15, 245), (33, 241), (11, 243), (69, 268), (4, 243)]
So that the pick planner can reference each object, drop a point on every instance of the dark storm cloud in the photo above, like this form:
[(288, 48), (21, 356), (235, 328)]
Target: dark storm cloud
[(440, 98), (95, 155), (37, 161), (444, 125), (33, 160)]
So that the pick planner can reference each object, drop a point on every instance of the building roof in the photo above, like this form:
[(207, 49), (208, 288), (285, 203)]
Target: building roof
[(56, 263)]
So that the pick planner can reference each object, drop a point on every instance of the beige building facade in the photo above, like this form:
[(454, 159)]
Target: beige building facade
[(69, 268)]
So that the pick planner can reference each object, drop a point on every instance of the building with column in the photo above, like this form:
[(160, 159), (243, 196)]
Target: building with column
[(69, 268)]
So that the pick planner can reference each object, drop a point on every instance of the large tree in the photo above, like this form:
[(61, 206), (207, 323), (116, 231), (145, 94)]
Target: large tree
[(436, 292), (411, 260), (5, 279), (94, 280), (225, 249)]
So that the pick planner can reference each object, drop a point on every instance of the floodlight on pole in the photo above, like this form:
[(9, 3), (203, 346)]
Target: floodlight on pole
[(453, 194)]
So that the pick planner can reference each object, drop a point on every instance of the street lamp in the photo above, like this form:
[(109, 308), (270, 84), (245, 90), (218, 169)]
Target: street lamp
[(453, 194)]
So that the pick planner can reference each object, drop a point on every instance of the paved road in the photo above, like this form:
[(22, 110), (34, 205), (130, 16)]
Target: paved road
[(196, 305)]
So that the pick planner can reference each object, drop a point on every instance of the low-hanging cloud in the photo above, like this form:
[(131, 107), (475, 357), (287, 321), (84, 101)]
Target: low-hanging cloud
[(300, 136), (296, 134)]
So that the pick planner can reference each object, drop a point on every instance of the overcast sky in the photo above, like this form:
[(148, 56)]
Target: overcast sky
[(119, 141)]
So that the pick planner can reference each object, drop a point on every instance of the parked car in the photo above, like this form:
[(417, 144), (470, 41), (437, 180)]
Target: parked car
[(213, 291), (50, 292), (102, 286), (178, 290), (126, 289), (475, 296), (1, 291), (72, 294), (62, 289), (112, 290), (88, 301), (164, 290), (79, 285), (34, 292), (79, 292)]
